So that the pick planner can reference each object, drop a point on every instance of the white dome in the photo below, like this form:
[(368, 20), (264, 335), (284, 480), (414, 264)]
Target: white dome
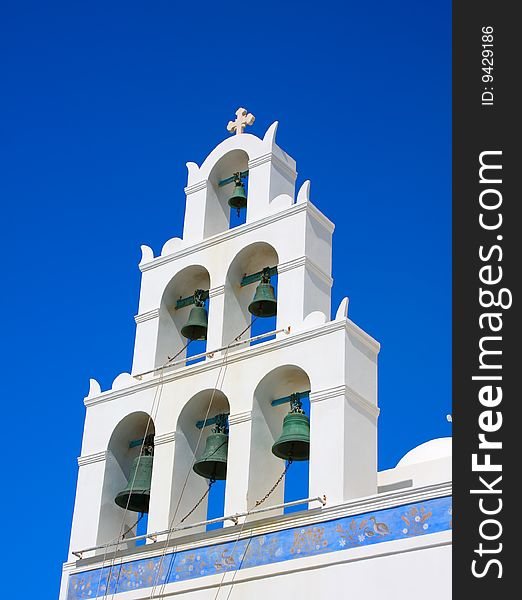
[(437, 448)]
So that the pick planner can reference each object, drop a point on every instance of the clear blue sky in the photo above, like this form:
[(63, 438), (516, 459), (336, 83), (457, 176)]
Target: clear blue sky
[(102, 105)]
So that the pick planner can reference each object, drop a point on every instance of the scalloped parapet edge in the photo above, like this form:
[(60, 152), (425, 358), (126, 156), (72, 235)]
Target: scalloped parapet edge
[(314, 319), (94, 388), (303, 195), (270, 135), (193, 172), (147, 255), (280, 203), (171, 246), (342, 311), (123, 380)]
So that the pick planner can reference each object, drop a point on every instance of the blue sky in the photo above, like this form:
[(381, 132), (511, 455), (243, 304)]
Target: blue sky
[(102, 105)]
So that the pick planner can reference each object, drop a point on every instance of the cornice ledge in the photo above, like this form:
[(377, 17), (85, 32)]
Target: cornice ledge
[(243, 354), (390, 499), (164, 438), (366, 338), (147, 316), (355, 398), (295, 263), (216, 291), (327, 393), (319, 272), (319, 216), (89, 459), (223, 236), (349, 394), (274, 159), (196, 187), (241, 417), (305, 261)]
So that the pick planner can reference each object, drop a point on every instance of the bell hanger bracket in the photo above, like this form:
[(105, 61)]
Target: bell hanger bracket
[(198, 298), (147, 443), (204, 294), (220, 421), (266, 272), (294, 400), (235, 177)]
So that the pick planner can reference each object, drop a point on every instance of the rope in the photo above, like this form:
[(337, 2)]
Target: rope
[(222, 369), (171, 524), (154, 410)]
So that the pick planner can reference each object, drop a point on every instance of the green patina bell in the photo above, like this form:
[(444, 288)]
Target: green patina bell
[(294, 441), (238, 200), (136, 495), (212, 464), (264, 303), (196, 326)]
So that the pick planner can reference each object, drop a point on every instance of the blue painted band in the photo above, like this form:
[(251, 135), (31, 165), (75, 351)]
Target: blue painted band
[(399, 522)]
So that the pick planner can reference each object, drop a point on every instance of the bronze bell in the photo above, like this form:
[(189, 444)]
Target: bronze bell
[(238, 200), (294, 441), (196, 326), (136, 495), (212, 464), (264, 303)]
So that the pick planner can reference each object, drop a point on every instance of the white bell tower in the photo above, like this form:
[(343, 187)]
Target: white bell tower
[(167, 392)]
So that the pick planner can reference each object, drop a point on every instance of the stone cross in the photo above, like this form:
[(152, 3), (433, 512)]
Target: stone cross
[(242, 120)]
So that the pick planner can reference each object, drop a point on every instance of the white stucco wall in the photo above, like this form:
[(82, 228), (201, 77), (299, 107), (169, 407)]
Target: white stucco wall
[(334, 358)]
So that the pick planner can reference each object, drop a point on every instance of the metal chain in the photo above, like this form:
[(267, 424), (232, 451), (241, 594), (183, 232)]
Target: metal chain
[(150, 450), (267, 495), (210, 484), (171, 358), (258, 503), (221, 372), (153, 411), (132, 526)]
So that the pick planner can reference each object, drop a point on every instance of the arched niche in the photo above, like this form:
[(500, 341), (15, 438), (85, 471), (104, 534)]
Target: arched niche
[(217, 210), (188, 487), (267, 422), (249, 260), (171, 320), (113, 519)]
